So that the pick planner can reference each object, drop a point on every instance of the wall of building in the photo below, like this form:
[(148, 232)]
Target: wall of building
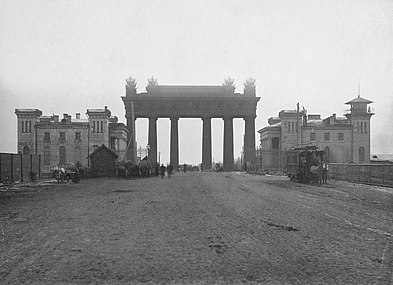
[(75, 150)]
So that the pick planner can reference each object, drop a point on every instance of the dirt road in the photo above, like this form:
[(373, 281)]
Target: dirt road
[(204, 228)]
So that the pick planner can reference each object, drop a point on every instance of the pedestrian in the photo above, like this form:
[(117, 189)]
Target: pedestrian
[(162, 171), (170, 168), (325, 169)]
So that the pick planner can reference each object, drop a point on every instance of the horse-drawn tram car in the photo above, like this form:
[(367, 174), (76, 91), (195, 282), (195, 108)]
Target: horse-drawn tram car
[(305, 164)]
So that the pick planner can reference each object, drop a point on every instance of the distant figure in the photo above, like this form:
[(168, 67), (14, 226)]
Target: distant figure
[(325, 170), (170, 168), (185, 168), (162, 171), (157, 169)]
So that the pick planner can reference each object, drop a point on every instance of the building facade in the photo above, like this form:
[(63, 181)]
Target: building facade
[(344, 139), (69, 140)]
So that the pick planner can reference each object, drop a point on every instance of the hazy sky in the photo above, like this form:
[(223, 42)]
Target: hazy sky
[(67, 56)]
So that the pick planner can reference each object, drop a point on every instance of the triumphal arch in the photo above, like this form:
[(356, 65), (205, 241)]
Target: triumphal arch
[(205, 102)]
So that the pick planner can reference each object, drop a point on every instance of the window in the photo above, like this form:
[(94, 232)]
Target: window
[(275, 143), (26, 126), (289, 126), (365, 127), (312, 137), (47, 137), (46, 155), (340, 136), (361, 127), (62, 155), (357, 124), (78, 136), (361, 154), (62, 137), (293, 127), (98, 126), (326, 136), (26, 150), (327, 154)]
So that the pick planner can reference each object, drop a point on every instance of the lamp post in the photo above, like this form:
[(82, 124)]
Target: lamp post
[(159, 157), (148, 150)]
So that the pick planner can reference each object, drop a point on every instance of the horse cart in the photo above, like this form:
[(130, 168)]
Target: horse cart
[(305, 164)]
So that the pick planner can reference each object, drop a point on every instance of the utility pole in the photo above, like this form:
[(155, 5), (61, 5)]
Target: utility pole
[(297, 124)]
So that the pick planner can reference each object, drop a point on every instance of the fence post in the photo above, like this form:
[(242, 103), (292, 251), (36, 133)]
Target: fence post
[(21, 168), (39, 166), (358, 172), (12, 168), (383, 174)]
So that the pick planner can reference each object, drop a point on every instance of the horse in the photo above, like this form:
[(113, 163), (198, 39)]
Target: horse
[(145, 167)]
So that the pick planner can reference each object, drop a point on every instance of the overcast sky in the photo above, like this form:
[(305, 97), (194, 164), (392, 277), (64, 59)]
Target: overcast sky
[(68, 56)]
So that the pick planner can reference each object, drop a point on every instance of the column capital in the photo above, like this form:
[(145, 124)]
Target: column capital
[(250, 117), (174, 119), (153, 118), (227, 118), (206, 118)]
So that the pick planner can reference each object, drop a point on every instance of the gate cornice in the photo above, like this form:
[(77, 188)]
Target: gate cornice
[(235, 106)]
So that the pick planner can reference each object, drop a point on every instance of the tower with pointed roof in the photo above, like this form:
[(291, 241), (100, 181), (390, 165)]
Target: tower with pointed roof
[(359, 117)]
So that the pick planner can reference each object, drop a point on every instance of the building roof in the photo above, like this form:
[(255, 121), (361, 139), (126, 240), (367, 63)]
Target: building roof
[(315, 123), (382, 157), (359, 100), (103, 148)]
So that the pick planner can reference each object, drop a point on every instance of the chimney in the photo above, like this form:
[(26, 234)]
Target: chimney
[(78, 116), (55, 118)]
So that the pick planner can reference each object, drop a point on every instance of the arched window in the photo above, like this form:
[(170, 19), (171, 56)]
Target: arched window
[(46, 155), (326, 157), (62, 155), (26, 150), (361, 154)]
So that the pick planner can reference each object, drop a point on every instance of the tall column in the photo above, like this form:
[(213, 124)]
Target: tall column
[(131, 142), (206, 145), (228, 144), (153, 139), (174, 149), (249, 139)]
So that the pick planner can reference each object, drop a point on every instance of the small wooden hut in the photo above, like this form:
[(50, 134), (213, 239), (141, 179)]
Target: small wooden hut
[(103, 162)]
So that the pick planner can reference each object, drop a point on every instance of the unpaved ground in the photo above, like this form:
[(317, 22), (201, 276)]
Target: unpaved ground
[(203, 228)]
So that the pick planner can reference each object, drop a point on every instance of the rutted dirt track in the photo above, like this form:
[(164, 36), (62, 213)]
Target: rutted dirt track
[(203, 228)]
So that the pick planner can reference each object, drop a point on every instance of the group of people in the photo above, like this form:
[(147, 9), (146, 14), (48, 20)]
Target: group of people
[(167, 169)]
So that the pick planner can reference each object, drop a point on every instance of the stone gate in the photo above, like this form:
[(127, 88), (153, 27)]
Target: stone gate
[(205, 102)]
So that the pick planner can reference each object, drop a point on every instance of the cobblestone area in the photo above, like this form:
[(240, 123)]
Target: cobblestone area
[(196, 228)]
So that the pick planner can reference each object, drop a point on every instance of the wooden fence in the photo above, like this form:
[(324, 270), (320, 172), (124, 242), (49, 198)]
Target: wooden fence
[(18, 167), (378, 174)]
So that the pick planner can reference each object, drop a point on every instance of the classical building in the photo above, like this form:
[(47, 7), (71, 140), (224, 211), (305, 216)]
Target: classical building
[(344, 139), (69, 140)]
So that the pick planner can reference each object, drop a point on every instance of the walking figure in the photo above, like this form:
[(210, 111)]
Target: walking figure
[(162, 171), (170, 168), (325, 169)]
